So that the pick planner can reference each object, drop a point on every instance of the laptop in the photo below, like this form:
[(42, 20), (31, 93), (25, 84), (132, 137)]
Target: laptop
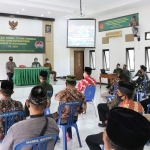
[(103, 71)]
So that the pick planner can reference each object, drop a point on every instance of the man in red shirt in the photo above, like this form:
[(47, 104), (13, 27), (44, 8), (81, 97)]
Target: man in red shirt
[(88, 80)]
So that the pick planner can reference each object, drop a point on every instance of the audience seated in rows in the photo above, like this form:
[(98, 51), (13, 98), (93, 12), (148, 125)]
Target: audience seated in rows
[(88, 80), (33, 126), (125, 91), (7, 103), (67, 95), (47, 86)]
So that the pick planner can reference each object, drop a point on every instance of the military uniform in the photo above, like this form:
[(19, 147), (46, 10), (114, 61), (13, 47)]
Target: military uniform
[(36, 64)]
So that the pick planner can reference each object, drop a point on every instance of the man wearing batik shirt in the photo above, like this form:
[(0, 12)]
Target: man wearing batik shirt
[(6, 103), (69, 94), (88, 80)]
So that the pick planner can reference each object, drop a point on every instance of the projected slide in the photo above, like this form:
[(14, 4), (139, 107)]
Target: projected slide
[(81, 33)]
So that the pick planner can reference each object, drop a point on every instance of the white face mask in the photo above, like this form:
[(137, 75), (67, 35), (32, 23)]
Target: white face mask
[(47, 61)]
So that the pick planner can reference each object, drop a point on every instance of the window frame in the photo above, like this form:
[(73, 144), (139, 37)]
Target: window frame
[(127, 49), (146, 55), (146, 35), (104, 57), (90, 54)]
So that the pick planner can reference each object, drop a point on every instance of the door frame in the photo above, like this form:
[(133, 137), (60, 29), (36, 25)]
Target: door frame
[(72, 50)]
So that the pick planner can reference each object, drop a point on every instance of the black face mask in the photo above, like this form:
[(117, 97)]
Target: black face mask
[(11, 59)]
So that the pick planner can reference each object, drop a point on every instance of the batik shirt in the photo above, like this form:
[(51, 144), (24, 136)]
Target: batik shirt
[(130, 104), (68, 95), (6, 106), (85, 82)]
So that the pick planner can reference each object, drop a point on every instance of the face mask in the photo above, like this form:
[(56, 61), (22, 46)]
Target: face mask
[(47, 61), (36, 60), (11, 59)]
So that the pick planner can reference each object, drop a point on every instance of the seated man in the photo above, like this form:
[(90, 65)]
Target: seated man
[(10, 68), (103, 108), (117, 68), (121, 77), (141, 78), (126, 71), (69, 94), (48, 64), (88, 80), (125, 92), (32, 127), (36, 63), (124, 131), (47, 86), (7, 103)]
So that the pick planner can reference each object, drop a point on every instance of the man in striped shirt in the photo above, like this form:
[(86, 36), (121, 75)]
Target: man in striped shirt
[(88, 80)]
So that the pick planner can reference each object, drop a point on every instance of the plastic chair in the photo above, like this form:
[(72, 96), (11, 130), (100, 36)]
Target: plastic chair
[(148, 109), (39, 143), (89, 94), (9, 119), (46, 111), (73, 105)]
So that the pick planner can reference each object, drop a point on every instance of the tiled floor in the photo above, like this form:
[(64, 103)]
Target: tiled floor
[(87, 124)]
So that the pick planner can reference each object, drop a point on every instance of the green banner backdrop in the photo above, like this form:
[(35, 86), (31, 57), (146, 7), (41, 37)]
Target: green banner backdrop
[(21, 44), (121, 22)]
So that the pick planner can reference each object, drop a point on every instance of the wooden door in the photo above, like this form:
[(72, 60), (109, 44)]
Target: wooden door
[(78, 64)]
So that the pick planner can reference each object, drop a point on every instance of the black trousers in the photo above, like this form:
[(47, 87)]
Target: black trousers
[(103, 111), (94, 141), (144, 103), (10, 76)]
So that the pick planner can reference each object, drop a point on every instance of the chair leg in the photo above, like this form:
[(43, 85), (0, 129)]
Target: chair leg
[(64, 131), (94, 109), (76, 127)]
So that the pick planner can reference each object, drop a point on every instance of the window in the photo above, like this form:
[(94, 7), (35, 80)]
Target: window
[(147, 58), (106, 59), (147, 35), (92, 59), (130, 59)]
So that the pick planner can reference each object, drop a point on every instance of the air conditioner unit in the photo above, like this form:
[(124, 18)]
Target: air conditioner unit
[(114, 34)]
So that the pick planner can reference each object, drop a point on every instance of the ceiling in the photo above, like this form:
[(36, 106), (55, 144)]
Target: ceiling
[(67, 8)]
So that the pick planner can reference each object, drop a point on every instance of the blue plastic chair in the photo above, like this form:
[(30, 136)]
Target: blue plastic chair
[(39, 143), (89, 94), (9, 119), (148, 109), (46, 111), (73, 105)]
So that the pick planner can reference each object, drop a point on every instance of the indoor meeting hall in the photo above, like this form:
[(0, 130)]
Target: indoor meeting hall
[(74, 75)]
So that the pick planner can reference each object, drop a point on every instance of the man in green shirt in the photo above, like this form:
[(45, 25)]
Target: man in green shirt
[(126, 71), (47, 86), (36, 63)]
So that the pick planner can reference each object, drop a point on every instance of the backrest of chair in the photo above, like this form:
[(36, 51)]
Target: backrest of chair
[(115, 89), (89, 92), (39, 143), (46, 111), (49, 93), (9, 119), (73, 105), (144, 84)]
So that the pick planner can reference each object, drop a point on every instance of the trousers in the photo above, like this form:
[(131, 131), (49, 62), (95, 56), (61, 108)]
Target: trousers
[(103, 111), (144, 103), (94, 141), (10, 76), (54, 73)]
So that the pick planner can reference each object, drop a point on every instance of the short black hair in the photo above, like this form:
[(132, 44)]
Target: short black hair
[(7, 87), (124, 77), (89, 73), (71, 82), (134, 17)]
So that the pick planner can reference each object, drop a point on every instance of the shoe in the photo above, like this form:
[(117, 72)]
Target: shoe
[(55, 80), (101, 124)]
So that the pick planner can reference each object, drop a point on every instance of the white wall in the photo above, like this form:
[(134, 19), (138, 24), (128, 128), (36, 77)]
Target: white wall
[(117, 45), (26, 27), (61, 53)]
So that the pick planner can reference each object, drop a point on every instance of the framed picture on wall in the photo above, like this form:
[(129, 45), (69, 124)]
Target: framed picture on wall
[(47, 28)]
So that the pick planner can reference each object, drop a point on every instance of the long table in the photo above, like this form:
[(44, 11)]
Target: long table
[(28, 76), (108, 76)]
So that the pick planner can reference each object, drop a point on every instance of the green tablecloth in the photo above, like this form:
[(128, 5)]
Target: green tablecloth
[(28, 76)]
